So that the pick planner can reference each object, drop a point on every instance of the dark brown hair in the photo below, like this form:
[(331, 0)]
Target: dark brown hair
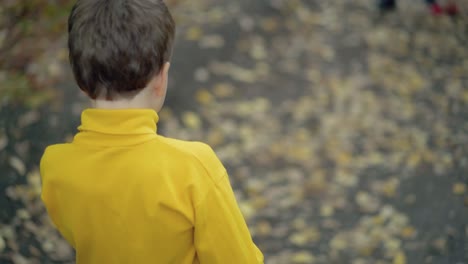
[(117, 46)]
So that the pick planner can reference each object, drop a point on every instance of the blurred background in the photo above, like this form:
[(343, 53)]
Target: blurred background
[(344, 128)]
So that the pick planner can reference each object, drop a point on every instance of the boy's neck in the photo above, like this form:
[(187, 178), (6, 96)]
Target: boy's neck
[(118, 104), (139, 101)]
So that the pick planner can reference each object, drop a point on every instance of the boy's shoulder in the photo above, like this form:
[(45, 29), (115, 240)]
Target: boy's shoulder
[(178, 151), (52, 154), (199, 151), (55, 151)]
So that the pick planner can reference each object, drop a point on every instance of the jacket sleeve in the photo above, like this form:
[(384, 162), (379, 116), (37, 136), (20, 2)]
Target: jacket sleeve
[(50, 199), (221, 233)]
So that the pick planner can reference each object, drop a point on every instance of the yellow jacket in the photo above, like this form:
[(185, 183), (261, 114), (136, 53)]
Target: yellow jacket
[(120, 193)]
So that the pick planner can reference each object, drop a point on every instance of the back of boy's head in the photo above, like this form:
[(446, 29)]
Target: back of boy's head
[(117, 46)]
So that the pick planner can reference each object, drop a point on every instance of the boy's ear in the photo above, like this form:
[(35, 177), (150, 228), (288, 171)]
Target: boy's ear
[(162, 78), (167, 66), (165, 71)]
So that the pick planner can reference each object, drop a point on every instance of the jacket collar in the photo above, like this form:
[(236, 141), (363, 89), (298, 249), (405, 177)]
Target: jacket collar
[(116, 126)]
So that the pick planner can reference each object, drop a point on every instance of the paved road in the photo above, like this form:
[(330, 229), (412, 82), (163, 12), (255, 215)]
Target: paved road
[(344, 132)]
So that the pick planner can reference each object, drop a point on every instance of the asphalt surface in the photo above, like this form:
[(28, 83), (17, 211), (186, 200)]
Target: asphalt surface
[(274, 86)]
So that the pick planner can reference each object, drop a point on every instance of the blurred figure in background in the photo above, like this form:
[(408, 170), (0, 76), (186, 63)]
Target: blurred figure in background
[(436, 9)]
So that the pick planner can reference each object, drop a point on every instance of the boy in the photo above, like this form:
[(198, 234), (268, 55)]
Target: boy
[(120, 193)]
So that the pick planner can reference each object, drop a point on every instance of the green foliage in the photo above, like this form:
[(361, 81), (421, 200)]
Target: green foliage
[(30, 29), (18, 89)]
